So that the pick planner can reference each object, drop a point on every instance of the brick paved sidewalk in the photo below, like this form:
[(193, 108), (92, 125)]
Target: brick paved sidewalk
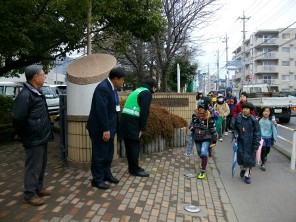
[(160, 197)]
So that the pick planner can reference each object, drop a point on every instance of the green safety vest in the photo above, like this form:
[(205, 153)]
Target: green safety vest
[(131, 106)]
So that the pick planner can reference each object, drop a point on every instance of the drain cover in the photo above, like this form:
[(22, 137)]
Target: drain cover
[(190, 175), (192, 208)]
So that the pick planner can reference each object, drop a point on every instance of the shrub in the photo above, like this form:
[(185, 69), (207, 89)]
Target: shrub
[(160, 122), (6, 106), (6, 130)]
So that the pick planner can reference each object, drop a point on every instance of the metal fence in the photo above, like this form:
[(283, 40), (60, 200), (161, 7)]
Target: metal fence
[(289, 146)]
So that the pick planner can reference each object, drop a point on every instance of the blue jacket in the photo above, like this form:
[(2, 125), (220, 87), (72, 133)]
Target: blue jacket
[(103, 115)]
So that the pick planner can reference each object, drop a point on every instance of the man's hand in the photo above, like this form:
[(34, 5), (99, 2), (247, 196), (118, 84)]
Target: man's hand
[(106, 136), (140, 134)]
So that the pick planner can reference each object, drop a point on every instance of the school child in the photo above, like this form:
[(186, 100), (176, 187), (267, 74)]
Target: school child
[(204, 133), (222, 109), (231, 100), (246, 130), (268, 128), (190, 143), (199, 96)]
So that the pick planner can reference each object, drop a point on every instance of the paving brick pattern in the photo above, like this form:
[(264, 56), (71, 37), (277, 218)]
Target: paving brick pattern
[(160, 197)]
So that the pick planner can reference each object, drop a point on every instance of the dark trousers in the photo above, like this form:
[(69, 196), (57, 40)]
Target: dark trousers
[(102, 156), (264, 152), (132, 148), (228, 123), (35, 164)]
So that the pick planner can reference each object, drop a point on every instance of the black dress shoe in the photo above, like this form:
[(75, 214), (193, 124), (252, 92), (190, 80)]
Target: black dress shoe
[(112, 179), (140, 174), (101, 185)]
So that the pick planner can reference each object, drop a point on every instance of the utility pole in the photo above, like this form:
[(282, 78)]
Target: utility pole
[(204, 85), (244, 19), (217, 84), (226, 50), (209, 78), (89, 27)]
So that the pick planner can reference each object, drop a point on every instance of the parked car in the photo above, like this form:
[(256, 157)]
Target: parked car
[(10, 89), (59, 89)]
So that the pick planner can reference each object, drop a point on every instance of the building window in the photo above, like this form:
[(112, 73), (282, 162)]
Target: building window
[(267, 79), (285, 63), (286, 35), (286, 77), (295, 77), (285, 49)]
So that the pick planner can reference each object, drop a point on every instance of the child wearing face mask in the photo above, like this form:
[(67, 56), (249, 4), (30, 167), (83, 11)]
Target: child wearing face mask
[(222, 109), (268, 128)]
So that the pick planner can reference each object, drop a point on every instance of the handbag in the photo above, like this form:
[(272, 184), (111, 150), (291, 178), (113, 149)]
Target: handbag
[(202, 132)]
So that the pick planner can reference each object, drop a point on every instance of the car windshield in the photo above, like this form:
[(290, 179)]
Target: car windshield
[(48, 92)]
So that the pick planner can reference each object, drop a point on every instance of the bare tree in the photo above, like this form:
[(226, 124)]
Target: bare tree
[(155, 57), (182, 17)]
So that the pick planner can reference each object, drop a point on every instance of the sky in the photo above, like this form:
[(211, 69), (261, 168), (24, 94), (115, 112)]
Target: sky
[(264, 14)]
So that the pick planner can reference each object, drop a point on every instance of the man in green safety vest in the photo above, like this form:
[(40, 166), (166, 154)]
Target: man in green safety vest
[(133, 122)]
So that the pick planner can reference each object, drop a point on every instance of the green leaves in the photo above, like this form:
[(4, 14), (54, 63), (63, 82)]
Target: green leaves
[(38, 31)]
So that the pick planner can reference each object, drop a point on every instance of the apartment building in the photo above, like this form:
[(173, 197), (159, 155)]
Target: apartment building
[(268, 56)]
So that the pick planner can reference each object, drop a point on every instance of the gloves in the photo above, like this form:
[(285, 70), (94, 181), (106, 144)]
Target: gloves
[(212, 145)]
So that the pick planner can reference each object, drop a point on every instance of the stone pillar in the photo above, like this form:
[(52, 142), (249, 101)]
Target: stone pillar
[(83, 76)]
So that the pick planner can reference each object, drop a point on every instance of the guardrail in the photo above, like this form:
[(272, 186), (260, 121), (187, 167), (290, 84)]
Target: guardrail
[(293, 143)]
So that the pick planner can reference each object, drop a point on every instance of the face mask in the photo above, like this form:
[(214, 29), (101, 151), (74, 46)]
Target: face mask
[(220, 100)]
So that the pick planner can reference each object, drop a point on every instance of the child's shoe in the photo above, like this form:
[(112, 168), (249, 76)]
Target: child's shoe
[(242, 173), (201, 175), (247, 180), (226, 134), (186, 154), (263, 168), (221, 140)]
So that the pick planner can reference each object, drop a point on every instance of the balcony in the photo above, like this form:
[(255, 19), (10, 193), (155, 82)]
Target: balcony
[(265, 42), (268, 81), (266, 69), (266, 55)]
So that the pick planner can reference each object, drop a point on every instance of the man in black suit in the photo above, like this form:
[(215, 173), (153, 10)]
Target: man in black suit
[(133, 122), (102, 125)]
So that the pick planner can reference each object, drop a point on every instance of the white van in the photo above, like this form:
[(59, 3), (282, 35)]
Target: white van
[(10, 89), (256, 88), (52, 100)]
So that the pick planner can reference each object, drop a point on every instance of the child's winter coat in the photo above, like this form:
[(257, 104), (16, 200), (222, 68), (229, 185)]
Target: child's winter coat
[(248, 133), (204, 129)]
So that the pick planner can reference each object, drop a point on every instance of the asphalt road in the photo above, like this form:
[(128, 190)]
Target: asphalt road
[(271, 196), (286, 133)]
